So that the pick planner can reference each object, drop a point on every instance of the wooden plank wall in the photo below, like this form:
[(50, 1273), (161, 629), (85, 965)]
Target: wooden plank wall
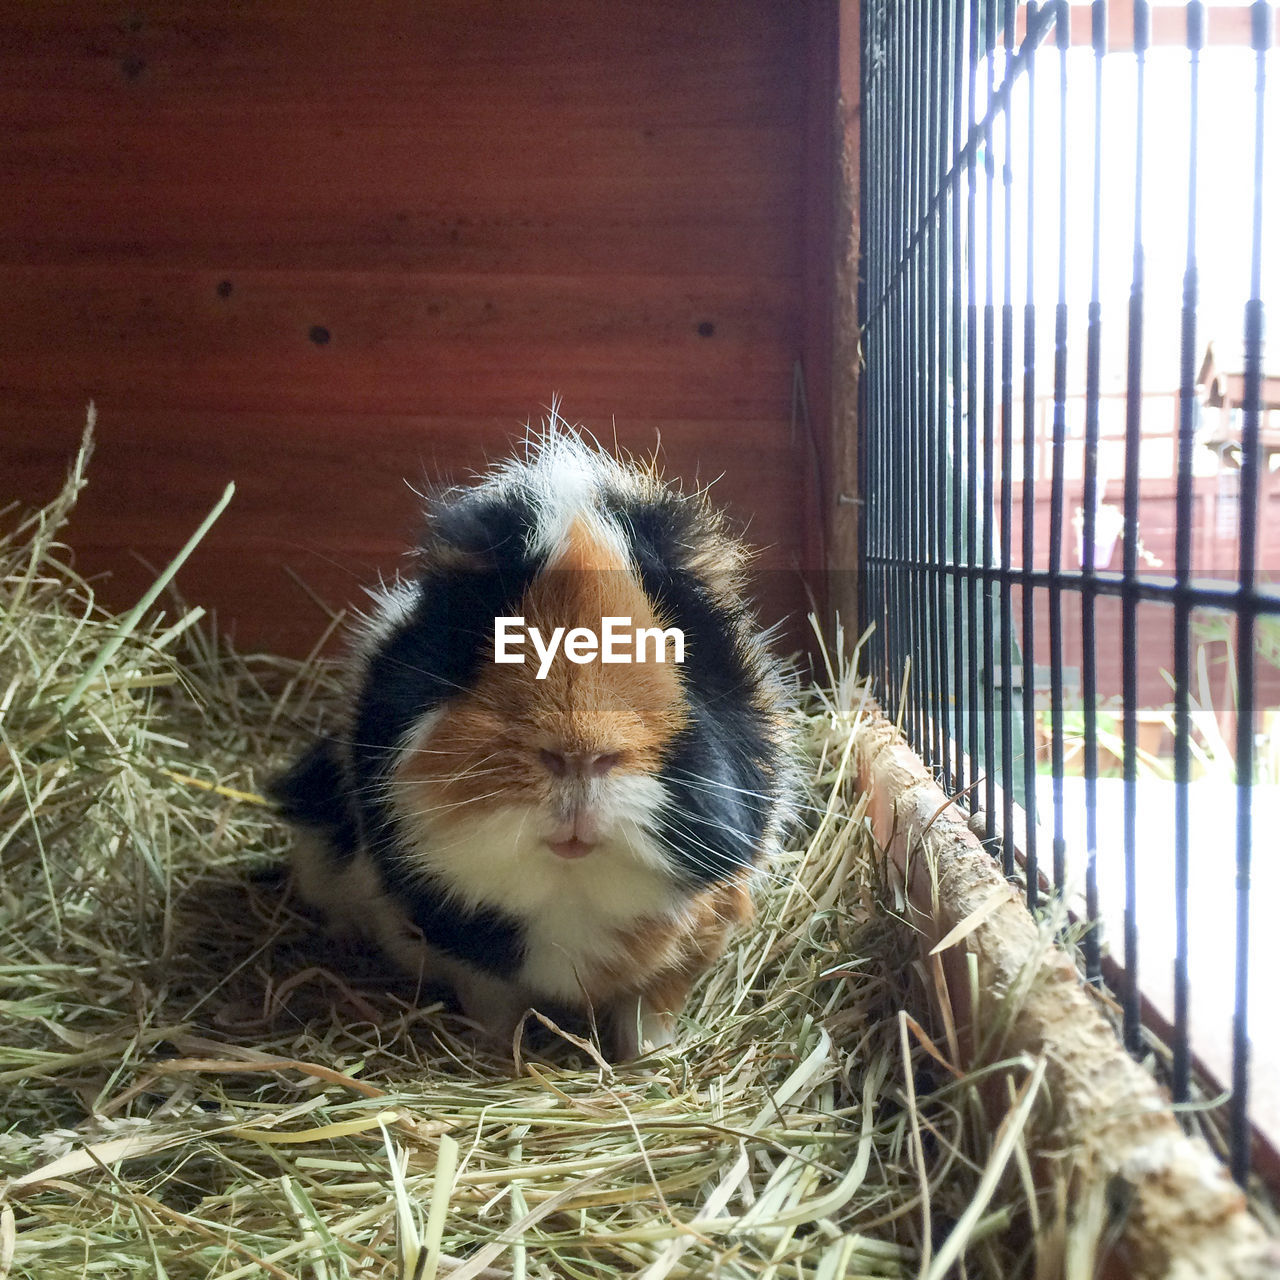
[(321, 248)]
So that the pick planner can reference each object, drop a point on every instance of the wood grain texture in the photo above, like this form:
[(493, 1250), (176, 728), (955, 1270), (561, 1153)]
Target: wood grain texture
[(395, 343), (323, 250), (655, 61), (401, 192), (335, 500)]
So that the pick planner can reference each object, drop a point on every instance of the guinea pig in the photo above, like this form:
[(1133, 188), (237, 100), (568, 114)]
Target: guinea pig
[(565, 754)]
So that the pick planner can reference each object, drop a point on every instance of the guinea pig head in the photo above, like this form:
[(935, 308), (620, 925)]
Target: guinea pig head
[(552, 761)]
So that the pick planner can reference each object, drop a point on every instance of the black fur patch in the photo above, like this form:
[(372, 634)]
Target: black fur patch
[(435, 652), (719, 770), (486, 939), (719, 798), (437, 649), (313, 794), (495, 526)]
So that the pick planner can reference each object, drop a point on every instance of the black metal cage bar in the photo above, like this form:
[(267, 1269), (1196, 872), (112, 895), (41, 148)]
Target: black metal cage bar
[(1248, 609), (1005, 163), (1182, 604)]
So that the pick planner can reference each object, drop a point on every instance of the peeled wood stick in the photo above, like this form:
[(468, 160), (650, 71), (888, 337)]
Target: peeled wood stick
[(1185, 1217)]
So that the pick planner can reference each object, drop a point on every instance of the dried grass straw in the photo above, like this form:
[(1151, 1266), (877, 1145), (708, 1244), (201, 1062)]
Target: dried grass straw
[(194, 1083)]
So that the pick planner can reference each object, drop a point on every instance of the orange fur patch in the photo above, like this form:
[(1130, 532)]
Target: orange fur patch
[(660, 960)]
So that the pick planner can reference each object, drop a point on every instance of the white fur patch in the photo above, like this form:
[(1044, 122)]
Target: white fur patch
[(571, 909), (566, 478), (350, 894), (354, 903)]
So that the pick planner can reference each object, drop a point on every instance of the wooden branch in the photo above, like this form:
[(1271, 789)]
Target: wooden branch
[(1175, 1210)]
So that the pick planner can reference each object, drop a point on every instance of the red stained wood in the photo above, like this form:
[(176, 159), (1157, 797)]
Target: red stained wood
[(401, 192), (323, 250), (575, 61), (393, 342), (336, 499)]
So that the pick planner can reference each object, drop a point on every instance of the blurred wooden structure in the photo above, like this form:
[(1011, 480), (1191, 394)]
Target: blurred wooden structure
[(1221, 382)]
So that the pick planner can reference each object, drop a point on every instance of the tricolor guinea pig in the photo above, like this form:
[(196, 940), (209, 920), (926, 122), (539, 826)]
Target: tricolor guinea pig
[(566, 750)]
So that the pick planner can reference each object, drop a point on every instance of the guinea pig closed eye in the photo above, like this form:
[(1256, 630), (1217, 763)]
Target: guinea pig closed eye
[(564, 754)]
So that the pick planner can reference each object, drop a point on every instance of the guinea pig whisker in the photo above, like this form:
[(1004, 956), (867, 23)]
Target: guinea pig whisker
[(393, 785), (429, 810), (767, 803), (524, 819), (434, 676), (708, 785), (718, 871), (673, 827), (466, 769), (690, 845), (398, 748), (442, 805), (698, 782), (719, 783), (405, 796)]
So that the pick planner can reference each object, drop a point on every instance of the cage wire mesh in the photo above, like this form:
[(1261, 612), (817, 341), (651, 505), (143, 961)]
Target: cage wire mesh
[(1071, 473)]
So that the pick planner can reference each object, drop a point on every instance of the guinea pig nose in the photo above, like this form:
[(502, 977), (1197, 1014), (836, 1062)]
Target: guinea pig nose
[(599, 765), (579, 764)]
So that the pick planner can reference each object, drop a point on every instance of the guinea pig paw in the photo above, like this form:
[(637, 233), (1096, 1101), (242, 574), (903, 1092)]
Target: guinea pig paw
[(637, 1031), (495, 1007), (657, 1038), (342, 929)]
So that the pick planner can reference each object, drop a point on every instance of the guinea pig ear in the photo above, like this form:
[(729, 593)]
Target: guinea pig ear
[(475, 529), (671, 531)]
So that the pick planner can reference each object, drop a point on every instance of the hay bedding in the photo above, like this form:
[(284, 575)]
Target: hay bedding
[(194, 1083)]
